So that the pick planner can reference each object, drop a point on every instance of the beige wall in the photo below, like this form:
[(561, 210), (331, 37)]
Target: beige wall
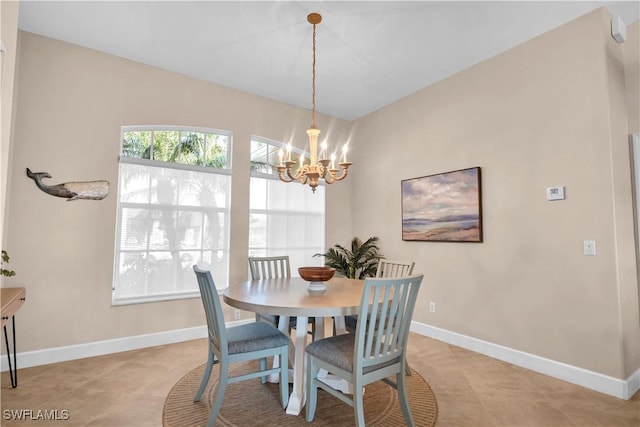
[(632, 75), (71, 104), (549, 112), (632, 80), (546, 113), (9, 34)]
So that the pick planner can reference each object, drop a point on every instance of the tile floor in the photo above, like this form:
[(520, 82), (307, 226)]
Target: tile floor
[(128, 389)]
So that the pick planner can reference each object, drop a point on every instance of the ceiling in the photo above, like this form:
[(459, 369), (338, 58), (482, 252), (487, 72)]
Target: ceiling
[(369, 53)]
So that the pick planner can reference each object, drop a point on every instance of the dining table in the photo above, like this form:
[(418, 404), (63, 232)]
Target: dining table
[(291, 297)]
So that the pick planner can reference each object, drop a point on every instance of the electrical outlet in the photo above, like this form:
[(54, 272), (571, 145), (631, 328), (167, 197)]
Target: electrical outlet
[(236, 314), (432, 307)]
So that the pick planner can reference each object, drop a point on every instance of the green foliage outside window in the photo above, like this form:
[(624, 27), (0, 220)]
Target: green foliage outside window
[(186, 147)]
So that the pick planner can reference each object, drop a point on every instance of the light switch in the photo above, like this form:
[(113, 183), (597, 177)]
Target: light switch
[(590, 247)]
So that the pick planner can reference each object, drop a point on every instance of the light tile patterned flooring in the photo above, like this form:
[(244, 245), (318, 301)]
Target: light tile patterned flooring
[(128, 389)]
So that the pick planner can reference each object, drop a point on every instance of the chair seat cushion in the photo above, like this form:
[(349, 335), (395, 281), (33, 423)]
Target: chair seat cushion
[(253, 337), (338, 351)]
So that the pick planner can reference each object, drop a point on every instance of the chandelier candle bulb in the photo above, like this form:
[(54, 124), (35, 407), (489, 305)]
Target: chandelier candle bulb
[(289, 151), (281, 155), (323, 151), (344, 153)]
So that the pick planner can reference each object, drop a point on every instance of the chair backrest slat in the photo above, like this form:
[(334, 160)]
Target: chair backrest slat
[(387, 306), (212, 310), (382, 322), (269, 267), (394, 268)]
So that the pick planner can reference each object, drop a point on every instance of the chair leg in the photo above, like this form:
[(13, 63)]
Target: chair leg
[(205, 376), (404, 401), (358, 404), (263, 367), (218, 393), (407, 368), (284, 376), (312, 389)]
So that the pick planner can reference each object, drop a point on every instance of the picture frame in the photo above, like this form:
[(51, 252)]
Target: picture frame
[(445, 207)]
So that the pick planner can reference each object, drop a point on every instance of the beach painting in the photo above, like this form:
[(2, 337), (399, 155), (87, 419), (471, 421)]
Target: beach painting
[(446, 207)]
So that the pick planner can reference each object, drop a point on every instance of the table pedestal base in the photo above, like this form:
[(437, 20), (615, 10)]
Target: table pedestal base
[(297, 376)]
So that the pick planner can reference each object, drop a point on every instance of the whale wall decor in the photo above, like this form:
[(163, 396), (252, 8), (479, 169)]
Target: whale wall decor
[(87, 190)]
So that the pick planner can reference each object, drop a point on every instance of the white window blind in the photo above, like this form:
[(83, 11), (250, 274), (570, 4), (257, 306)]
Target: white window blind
[(173, 212), (284, 218)]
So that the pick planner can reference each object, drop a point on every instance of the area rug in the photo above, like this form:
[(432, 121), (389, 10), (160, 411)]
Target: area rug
[(250, 403)]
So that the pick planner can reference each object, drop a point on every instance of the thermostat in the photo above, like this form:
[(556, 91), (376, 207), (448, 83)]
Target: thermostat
[(555, 193)]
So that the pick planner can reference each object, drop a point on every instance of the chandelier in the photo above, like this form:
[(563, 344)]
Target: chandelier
[(320, 166)]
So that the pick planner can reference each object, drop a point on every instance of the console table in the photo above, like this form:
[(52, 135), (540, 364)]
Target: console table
[(11, 299)]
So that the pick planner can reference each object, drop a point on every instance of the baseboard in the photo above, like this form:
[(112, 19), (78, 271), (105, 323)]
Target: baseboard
[(602, 383), (28, 359), (623, 389)]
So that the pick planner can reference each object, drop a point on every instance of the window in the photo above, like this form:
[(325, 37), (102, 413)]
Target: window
[(284, 218), (173, 211)]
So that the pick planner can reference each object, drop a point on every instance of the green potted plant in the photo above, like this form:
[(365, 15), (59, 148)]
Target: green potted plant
[(356, 263), (5, 260)]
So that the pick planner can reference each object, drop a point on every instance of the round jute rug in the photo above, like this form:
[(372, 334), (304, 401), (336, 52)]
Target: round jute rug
[(250, 403)]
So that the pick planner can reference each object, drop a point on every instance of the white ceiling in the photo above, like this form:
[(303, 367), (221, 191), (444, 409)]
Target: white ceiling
[(369, 53)]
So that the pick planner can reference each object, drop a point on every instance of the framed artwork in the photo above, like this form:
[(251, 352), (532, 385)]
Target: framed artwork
[(446, 207)]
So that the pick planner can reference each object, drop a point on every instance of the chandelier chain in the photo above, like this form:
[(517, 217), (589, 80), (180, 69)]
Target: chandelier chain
[(313, 81)]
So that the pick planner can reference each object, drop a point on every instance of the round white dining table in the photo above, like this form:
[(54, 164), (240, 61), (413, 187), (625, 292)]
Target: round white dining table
[(289, 297)]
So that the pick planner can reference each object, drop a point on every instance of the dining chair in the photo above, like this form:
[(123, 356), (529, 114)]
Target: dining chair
[(376, 351), (394, 268), (269, 268), (386, 268), (253, 341)]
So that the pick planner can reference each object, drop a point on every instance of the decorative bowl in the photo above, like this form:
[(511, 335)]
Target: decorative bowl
[(316, 276)]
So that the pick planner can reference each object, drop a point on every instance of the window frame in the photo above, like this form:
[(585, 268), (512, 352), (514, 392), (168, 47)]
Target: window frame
[(120, 206), (267, 250)]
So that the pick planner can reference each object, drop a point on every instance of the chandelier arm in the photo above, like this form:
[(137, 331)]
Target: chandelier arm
[(323, 169), (287, 167), (302, 174), (281, 174), (292, 177), (303, 178), (345, 171)]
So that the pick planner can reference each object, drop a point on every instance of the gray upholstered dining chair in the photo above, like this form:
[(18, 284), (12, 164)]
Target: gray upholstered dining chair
[(269, 268), (253, 341), (374, 352)]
